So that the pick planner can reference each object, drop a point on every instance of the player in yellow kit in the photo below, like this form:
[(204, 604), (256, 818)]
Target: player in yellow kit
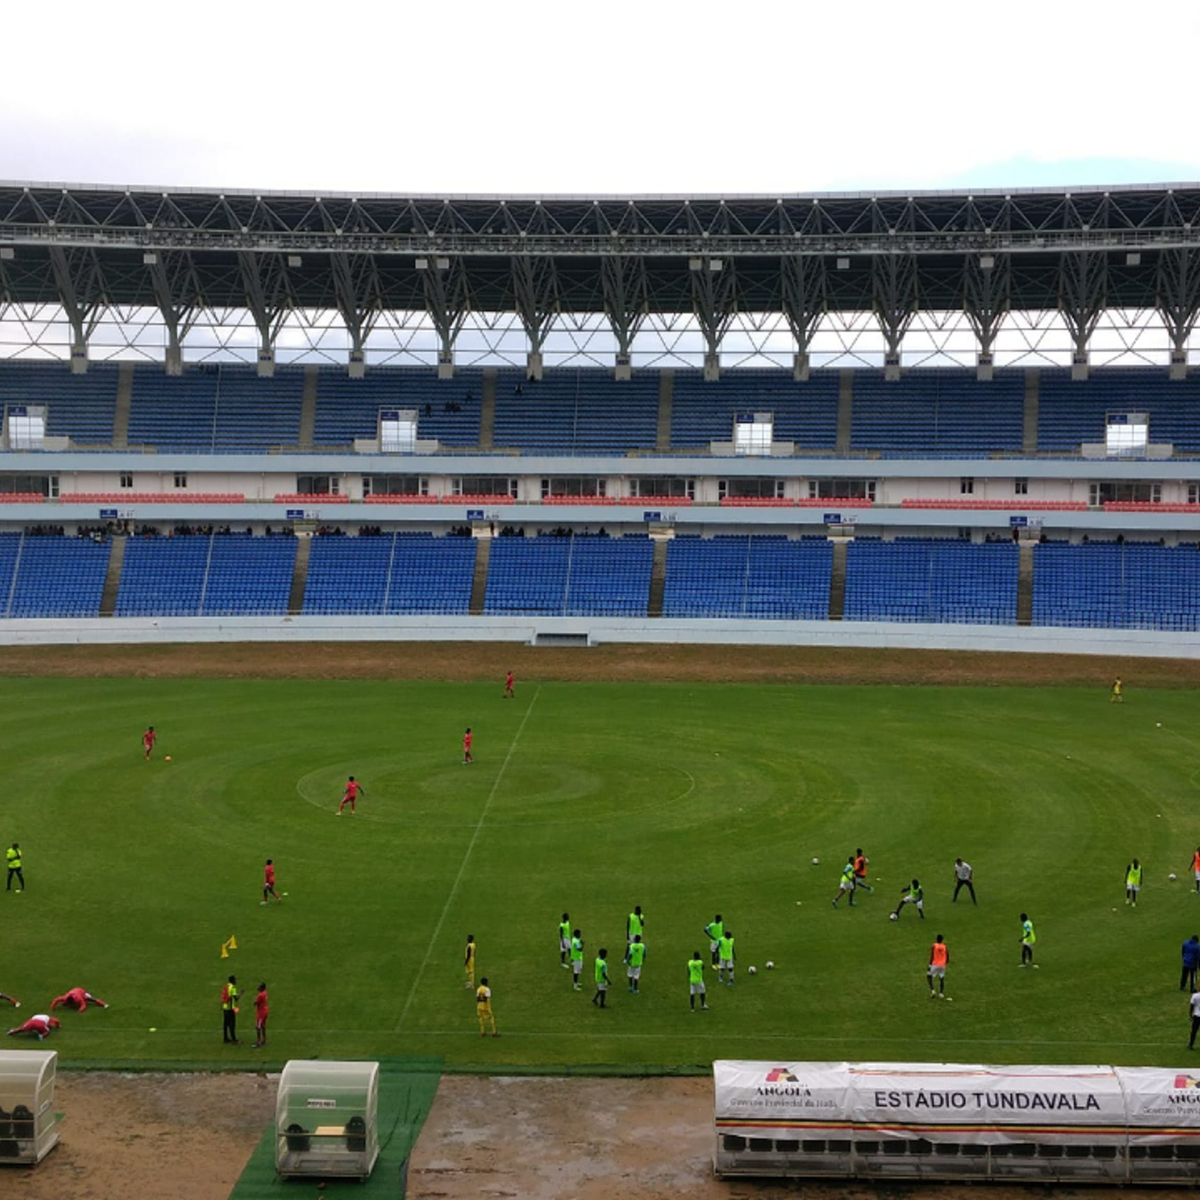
[(483, 1008), (469, 961)]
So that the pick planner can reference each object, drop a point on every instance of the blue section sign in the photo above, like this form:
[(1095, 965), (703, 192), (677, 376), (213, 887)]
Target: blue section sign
[(108, 514), (833, 518), (656, 515), (474, 514), (295, 514), (1018, 522)]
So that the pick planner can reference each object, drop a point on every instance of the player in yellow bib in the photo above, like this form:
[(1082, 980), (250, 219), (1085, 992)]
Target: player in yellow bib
[(469, 961)]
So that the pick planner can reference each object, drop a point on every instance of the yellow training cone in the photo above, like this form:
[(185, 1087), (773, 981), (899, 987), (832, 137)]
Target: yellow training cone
[(232, 942), (224, 952)]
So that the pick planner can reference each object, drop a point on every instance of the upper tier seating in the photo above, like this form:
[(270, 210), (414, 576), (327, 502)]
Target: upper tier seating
[(396, 573), (940, 411), (1073, 412), (447, 409), (1110, 585), (805, 413), (927, 579), (569, 576), (578, 412), (80, 407), (215, 408), (748, 576)]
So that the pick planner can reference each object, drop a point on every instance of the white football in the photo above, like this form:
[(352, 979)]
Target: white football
[(816, 861), (1171, 877), (892, 917), (770, 965), (753, 970)]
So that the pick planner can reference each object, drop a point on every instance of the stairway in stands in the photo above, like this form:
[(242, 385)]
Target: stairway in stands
[(483, 555), (837, 582), (299, 576), (112, 581), (658, 578)]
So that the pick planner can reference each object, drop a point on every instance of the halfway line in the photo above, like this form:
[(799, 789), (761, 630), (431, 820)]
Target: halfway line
[(437, 929)]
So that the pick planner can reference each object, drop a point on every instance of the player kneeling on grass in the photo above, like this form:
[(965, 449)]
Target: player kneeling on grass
[(913, 894), (483, 1008), (77, 998), (939, 960), (39, 1025), (696, 981)]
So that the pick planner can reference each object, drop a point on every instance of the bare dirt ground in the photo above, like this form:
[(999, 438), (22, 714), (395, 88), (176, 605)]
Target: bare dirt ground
[(187, 1137)]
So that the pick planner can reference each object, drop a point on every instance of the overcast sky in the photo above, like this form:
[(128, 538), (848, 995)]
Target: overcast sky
[(646, 97)]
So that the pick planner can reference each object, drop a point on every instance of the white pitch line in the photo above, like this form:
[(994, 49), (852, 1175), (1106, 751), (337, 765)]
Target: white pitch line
[(462, 870)]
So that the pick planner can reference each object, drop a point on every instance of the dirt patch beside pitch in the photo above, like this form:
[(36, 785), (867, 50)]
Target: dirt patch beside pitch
[(471, 661)]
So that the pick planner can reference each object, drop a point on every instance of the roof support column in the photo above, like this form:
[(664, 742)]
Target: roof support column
[(1082, 295), (987, 292), (804, 303), (535, 293), (714, 303), (447, 301), (894, 302), (1178, 302), (265, 284), (80, 287), (173, 278), (356, 286), (626, 303)]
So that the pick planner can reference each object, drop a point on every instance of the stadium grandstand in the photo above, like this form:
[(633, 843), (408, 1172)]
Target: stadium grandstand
[(596, 417)]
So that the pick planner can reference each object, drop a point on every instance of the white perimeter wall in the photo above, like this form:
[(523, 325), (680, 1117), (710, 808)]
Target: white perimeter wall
[(149, 631)]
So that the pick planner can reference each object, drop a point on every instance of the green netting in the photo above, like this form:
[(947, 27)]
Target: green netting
[(406, 1090)]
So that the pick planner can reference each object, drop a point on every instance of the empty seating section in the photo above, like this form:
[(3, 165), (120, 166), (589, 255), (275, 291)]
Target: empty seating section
[(569, 576), (805, 413), (1107, 585), (926, 579), (938, 411), (219, 575), (10, 544), (748, 576), (80, 407), (577, 412), (209, 409), (1072, 412), (448, 409), (59, 577), (249, 576), (398, 573)]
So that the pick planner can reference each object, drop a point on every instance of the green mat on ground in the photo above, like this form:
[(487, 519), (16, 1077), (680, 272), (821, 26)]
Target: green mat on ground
[(406, 1090)]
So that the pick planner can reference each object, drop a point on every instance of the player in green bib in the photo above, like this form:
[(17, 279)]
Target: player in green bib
[(564, 939), (725, 958), (601, 970), (696, 981), (1133, 882), (635, 924), (576, 960), (634, 957), (715, 930)]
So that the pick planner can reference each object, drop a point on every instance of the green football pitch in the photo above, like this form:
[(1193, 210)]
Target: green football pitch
[(591, 798)]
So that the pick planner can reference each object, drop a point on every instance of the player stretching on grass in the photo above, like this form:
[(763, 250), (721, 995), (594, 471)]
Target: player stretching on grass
[(41, 1024), (353, 787), (269, 882), (11, 1000), (77, 998)]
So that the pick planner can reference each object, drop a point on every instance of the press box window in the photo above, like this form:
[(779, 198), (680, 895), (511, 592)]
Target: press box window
[(1020, 487), (398, 431), (753, 433), (26, 427), (1126, 435), (181, 479), (126, 480)]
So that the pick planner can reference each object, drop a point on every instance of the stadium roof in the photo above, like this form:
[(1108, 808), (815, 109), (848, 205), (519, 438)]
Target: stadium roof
[(1076, 252)]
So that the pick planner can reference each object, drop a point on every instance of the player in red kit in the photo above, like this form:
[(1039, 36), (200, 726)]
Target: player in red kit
[(78, 998), (41, 1024), (148, 740), (269, 882), (12, 1000), (353, 787), (261, 1012), (509, 694), (468, 738)]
